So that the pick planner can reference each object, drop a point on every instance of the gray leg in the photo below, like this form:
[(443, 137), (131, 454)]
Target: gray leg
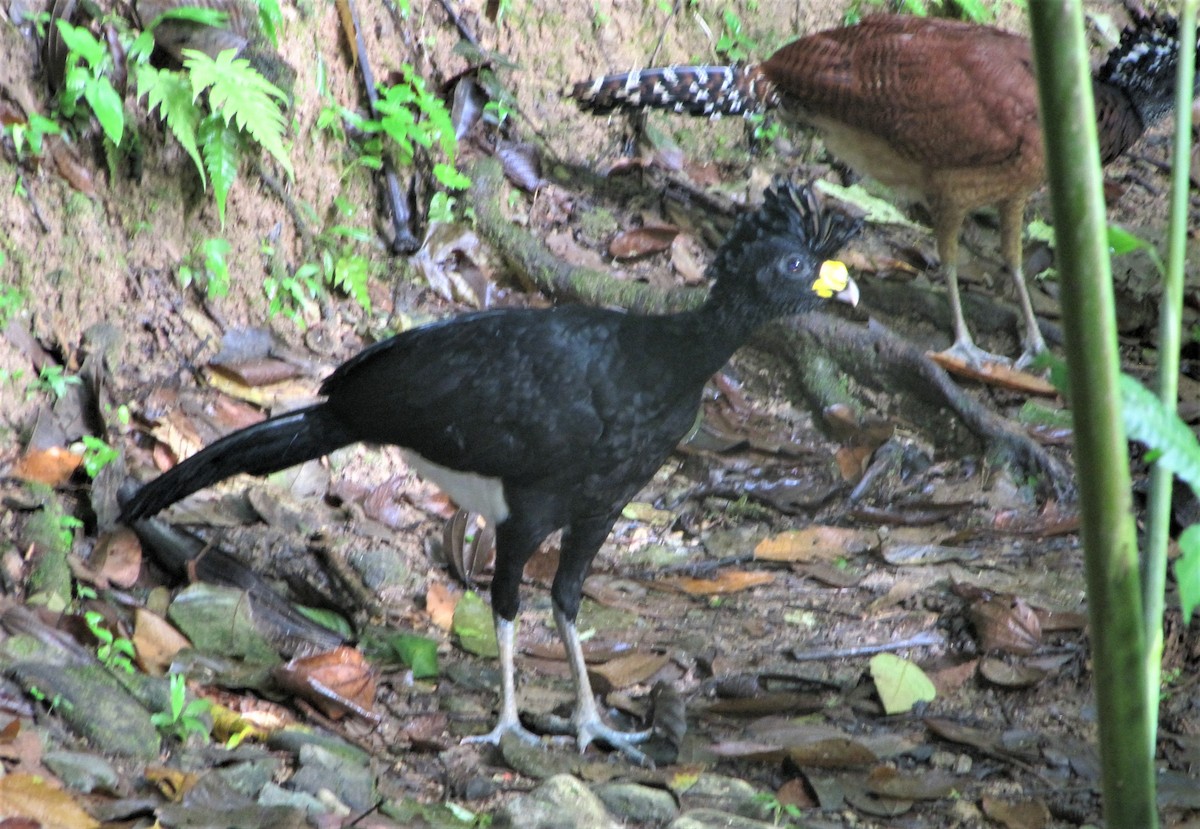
[(586, 717), (509, 721)]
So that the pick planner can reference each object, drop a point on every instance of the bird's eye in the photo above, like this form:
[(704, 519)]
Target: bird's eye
[(795, 263)]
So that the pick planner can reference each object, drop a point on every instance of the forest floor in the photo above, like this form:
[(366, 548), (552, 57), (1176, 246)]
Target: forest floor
[(748, 592)]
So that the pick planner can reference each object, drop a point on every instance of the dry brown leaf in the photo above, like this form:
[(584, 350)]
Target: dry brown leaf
[(996, 374), (948, 680), (34, 796), (337, 682), (727, 581), (1006, 624), (118, 557), (440, 601), (835, 753), (265, 371), (814, 543), (642, 241), (156, 641), (624, 671), (171, 783), (52, 467), (1008, 675), (886, 781), (1027, 814)]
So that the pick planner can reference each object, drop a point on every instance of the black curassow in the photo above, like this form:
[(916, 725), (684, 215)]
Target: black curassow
[(942, 110), (547, 419)]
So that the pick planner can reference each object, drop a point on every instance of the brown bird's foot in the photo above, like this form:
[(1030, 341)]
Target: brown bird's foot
[(505, 726), (592, 728)]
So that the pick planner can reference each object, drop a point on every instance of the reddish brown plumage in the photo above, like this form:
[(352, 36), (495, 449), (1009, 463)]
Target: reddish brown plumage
[(942, 110)]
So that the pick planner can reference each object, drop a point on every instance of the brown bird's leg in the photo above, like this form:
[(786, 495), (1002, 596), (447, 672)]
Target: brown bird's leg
[(1012, 220), (948, 222)]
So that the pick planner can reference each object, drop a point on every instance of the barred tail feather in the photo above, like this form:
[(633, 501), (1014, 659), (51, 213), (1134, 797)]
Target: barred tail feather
[(695, 90)]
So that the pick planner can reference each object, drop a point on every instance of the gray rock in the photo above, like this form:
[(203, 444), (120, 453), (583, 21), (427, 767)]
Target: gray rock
[(82, 772), (637, 803), (715, 819), (726, 794), (561, 802)]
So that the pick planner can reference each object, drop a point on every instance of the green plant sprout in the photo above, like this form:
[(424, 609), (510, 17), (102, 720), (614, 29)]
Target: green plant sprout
[(12, 302), (183, 718), (97, 454), (116, 652), (54, 703), (53, 379), (213, 276), (31, 134)]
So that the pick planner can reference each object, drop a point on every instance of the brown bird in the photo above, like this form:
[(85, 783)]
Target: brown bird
[(943, 111)]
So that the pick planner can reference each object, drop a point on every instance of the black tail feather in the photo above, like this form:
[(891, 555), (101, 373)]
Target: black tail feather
[(274, 444)]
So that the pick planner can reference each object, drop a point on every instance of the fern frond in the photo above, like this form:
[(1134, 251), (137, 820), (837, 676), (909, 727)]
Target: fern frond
[(242, 97), (1161, 429), (222, 154), (171, 94)]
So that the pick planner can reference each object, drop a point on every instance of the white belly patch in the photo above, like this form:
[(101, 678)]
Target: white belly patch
[(470, 491)]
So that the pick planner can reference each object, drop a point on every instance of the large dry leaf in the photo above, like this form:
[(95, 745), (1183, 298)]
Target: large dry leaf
[(996, 374), (339, 681), (624, 671), (33, 796), (440, 602), (156, 641), (816, 543), (727, 581), (52, 467)]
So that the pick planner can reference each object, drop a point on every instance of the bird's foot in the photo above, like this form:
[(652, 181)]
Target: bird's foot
[(1030, 356), (503, 727), (592, 728), (971, 355)]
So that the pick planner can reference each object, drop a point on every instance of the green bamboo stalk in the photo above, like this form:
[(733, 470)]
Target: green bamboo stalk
[(1105, 500), (1170, 324)]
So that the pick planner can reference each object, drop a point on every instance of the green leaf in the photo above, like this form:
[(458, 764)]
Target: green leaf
[(271, 18), (171, 94), (1121, 242), (107, 106), (1187, 571), (350, 274), (472, 624), (222, 153), (899, 683), (1149, 422), (417, 652), (242, 97), (83, 43), (194, 14), (451, 177)]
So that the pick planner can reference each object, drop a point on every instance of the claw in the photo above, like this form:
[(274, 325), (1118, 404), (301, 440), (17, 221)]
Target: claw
[(592, 728), (496, 734)]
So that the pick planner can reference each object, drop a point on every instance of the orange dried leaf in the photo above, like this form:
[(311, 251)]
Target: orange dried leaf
[(439, 604), (996, 374), (338, 682), (34, 796), (814, 543), (52, 467), (728, 581)]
